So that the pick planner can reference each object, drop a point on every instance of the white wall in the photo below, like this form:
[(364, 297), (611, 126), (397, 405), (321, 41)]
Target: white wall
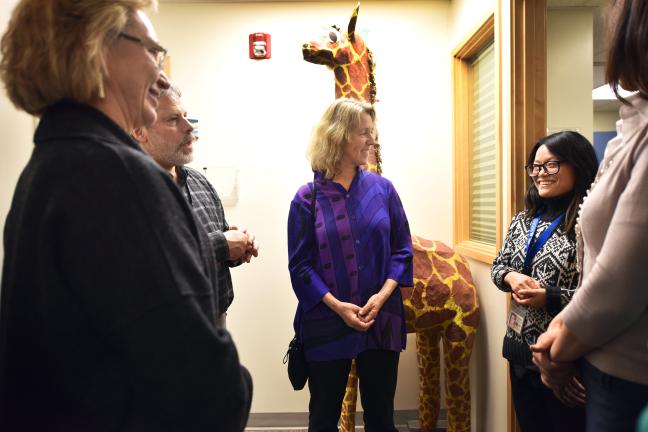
[(257, 116), (17, 135), (569, 70)]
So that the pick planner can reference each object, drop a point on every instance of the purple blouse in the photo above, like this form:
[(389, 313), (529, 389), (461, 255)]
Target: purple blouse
[(359, 238)]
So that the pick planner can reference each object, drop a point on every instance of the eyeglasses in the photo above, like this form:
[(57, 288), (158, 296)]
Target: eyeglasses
[(159, 53), (550, 168)]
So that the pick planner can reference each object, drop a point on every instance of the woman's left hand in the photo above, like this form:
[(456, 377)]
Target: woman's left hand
[(370, 310), (531, 297), (571, 394)]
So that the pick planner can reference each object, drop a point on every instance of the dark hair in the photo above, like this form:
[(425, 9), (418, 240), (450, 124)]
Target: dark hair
[(574, 149), (627, 42)]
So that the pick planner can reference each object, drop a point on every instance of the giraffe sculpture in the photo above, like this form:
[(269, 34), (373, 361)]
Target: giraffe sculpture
[(352, 64), (443, 303)]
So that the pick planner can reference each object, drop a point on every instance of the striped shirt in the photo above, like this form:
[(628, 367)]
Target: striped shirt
[(207, 208), (358, 239)]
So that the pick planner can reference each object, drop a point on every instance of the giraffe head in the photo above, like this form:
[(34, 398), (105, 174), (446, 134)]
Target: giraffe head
[(352, 64), (348, 56)]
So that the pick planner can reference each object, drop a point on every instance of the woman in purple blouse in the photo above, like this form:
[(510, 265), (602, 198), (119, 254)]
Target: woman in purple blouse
[(346, 262)]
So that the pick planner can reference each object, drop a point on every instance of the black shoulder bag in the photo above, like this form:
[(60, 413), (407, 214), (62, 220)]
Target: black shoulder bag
[(295, 356)]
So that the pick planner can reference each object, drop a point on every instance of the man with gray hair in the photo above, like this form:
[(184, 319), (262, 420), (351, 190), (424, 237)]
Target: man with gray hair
[(169, 141)]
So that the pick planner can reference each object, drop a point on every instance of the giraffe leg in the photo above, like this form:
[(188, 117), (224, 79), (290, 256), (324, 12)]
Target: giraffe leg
[(347, 417), (428, 354), (456, 362)]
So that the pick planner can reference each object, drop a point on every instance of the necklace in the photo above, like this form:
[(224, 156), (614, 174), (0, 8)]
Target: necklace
[(579, 232)]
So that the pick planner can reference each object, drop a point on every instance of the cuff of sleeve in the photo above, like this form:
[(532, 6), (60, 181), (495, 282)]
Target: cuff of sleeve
[(402, 276), (553, 302), (220, 245), (310, 303), (309, 288), (499, 276)]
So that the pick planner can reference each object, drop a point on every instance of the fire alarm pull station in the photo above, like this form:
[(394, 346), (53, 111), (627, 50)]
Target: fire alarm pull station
[(259, 46)]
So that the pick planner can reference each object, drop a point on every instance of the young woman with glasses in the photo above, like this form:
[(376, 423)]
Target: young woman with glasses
[(605, 327), (537, 265)]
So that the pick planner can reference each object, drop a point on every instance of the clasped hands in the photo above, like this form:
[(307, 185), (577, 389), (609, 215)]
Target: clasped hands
[(563, 378), (361, 318), (242, 244), (526, 290)]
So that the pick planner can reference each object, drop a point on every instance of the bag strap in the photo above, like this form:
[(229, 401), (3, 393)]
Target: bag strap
[(313, 202)]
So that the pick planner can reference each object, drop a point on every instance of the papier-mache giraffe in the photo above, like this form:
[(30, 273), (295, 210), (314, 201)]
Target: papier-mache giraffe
[(352, 64), (443, 303)]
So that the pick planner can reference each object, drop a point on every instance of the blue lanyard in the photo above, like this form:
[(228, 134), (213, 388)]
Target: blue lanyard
[(532, 247)]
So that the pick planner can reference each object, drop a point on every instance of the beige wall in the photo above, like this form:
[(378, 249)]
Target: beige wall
[(569, 70), (17, 131), (605, 121)]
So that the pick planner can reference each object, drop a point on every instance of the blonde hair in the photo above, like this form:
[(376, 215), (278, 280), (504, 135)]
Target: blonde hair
[(333, 132), (54, 49)]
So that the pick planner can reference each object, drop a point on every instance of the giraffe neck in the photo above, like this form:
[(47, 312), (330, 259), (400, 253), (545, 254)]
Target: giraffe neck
[(355, 78)]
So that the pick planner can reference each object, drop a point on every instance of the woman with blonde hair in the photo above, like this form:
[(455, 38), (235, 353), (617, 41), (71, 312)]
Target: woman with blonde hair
[(349, 250), (108, 312)]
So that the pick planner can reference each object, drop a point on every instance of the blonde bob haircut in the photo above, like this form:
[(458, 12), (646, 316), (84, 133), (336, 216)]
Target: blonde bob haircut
[(333, 132), (54, 49)]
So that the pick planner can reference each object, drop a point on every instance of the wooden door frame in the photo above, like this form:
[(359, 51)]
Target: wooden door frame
[(528, 107), (528, 88)]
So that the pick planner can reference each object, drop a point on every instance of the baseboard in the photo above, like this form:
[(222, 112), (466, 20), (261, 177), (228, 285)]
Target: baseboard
[(405, 420)]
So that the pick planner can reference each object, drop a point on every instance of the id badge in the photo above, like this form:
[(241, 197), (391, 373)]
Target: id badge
[(516, 317)]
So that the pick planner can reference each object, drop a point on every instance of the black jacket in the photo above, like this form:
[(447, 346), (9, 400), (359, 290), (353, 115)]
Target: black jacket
[(108, 308)]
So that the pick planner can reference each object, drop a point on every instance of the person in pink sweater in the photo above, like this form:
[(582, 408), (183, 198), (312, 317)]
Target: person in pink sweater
[(605, 326)]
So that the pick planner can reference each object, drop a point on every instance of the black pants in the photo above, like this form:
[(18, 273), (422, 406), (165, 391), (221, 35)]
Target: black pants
[(613, 404), (536, 407), (377, 373)]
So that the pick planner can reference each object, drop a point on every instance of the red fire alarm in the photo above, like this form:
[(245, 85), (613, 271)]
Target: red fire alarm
[(259, 46)]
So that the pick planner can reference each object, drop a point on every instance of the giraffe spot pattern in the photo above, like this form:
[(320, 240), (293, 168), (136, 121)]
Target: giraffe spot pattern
[(416, 295), (431, 319), (444, 251), (425, 243), (454, 333), (464, 272), (436, 293), (463, 295), (442, 267), (422, 265), (472, 319)]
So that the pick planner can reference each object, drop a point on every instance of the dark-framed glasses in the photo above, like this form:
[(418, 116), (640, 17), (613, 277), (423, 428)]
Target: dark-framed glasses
[(153, 47), (550, 167)]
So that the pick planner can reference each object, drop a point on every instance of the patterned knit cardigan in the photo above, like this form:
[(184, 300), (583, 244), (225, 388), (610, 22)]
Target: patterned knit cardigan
[(554, 267)]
